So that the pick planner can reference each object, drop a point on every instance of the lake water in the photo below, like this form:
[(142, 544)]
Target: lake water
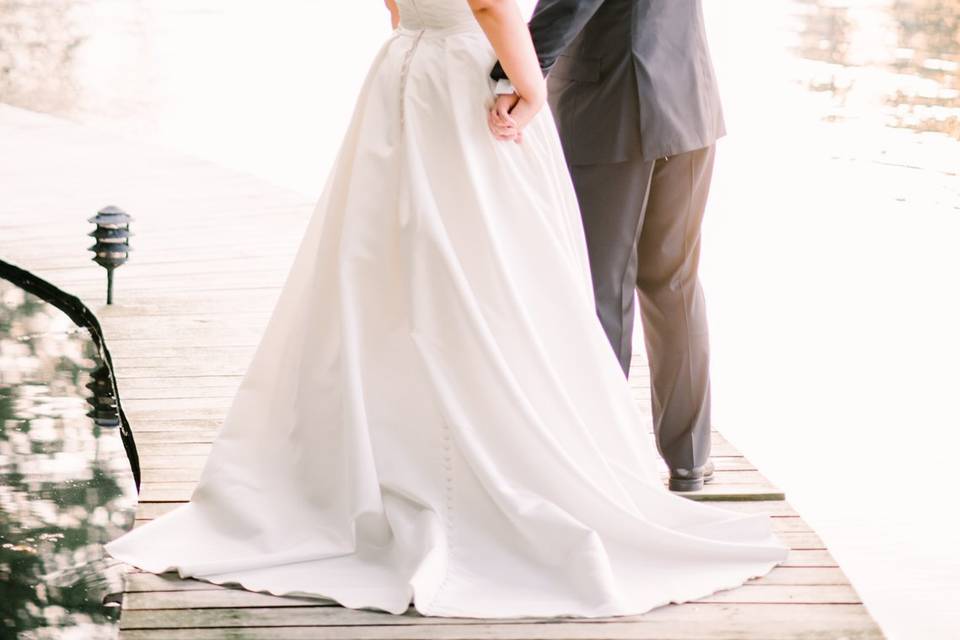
[(66, 485), (830, 246)]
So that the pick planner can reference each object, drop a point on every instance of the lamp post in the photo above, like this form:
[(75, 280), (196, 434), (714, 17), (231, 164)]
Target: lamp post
[(112, 247)]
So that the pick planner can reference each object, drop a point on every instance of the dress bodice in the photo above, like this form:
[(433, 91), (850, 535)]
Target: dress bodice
[(435, 14)]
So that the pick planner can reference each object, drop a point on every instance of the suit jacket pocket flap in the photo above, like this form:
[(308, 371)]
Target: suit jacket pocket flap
[(580, 69)]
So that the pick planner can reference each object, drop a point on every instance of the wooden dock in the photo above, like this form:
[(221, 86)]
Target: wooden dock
[(211, 248)]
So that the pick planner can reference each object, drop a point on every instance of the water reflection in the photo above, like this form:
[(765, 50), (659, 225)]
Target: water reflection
[(38, 41), (928, 37), (67, 486), (825, 31), (913, 44)]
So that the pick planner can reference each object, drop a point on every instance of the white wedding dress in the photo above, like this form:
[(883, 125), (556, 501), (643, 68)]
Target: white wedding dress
[(434, 415)]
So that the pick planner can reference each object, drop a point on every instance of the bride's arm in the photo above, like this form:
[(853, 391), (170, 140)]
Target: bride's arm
[(394, 12), (503, 23), (553, 26)]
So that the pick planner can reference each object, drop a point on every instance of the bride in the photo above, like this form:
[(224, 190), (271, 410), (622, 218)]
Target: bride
[(433, 415)]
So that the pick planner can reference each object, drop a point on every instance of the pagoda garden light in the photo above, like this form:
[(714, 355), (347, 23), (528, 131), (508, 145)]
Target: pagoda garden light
[(113, 246)]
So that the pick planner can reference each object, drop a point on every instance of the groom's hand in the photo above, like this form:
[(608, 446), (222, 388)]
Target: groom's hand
[(501, 123)]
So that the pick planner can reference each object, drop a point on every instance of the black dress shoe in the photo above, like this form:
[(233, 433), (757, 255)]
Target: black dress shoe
[(691, 479)]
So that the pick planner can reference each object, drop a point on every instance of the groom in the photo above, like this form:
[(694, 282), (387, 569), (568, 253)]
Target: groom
[(632, 88)]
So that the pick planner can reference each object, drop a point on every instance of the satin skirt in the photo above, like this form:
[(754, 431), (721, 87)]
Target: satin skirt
[(433, 416)]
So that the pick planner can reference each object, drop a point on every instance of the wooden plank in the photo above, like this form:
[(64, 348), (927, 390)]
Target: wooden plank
[(725, 620), (810, 558), (176, 423), (721, 447), (773, 508), (182, 457), (717, 492), (94, 294), (187, 468), (141, 581), (189, 241), (178, 382), (155, 414), (156, 472), (791, 524), (179, 491), (179, 368), (170, 436), (217, 387), (853, 623), (192, 334), (801, 540), (279, 261), (214, 599), (786, 523), (241, 598), (177, 448)]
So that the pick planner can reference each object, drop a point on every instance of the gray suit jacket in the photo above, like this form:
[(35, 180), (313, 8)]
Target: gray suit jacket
[(627, 78)]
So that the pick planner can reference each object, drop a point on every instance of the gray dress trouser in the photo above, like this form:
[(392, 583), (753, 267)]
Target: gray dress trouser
[(642, 222)]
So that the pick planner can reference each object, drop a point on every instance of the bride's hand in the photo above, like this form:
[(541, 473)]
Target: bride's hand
[(501, 123), (510, 114)]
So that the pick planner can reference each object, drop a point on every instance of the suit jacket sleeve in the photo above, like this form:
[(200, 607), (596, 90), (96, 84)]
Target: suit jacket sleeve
[(554, 25)]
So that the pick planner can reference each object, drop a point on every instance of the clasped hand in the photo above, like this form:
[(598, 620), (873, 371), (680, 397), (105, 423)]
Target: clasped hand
[(509, 115)]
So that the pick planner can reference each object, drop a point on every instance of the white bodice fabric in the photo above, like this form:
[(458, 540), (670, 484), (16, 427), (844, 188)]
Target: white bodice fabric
[(435, 14)]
